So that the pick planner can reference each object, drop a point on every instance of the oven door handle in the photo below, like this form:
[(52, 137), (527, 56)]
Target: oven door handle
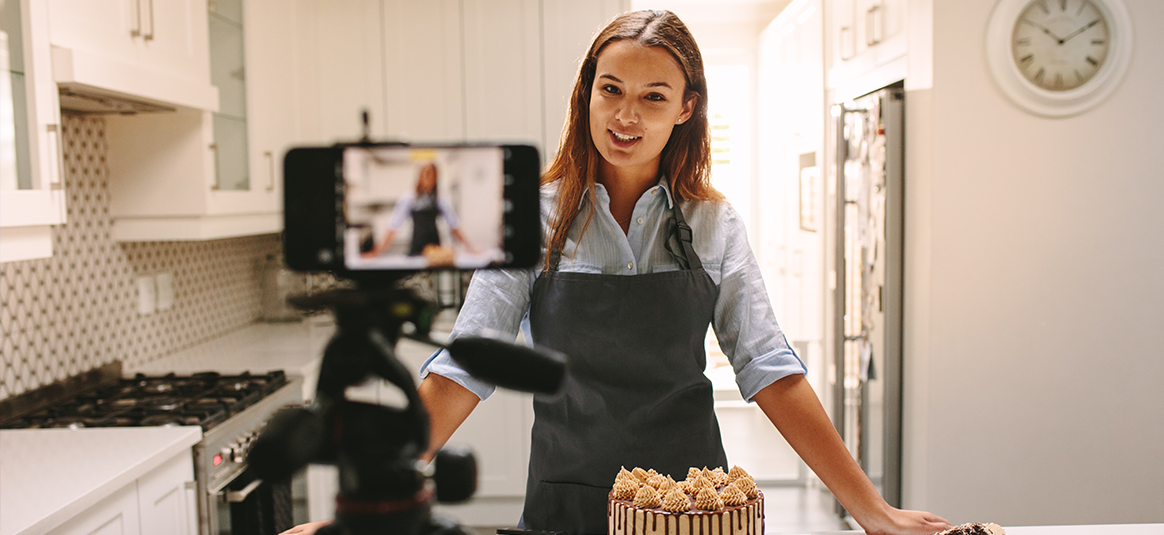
[(238, 496)]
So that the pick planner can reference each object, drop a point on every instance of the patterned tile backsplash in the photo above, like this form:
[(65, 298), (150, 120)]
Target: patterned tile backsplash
[(67, 314)]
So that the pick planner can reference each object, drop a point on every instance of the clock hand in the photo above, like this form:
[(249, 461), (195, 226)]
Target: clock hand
[(1045, 30), (1079, 31)]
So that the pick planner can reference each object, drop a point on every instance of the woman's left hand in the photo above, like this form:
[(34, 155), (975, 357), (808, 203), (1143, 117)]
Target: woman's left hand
[(898, 522)]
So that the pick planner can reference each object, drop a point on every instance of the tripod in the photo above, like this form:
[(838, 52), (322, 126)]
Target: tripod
[(384, 487)]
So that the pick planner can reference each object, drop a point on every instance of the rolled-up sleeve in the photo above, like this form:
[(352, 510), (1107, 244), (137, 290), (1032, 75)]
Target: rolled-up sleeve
[(495, 304), (744, 322)]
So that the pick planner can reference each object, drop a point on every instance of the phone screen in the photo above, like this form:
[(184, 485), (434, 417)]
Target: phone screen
[(414, 208)]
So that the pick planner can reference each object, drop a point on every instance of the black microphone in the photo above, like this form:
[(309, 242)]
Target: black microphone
[(508, 365)]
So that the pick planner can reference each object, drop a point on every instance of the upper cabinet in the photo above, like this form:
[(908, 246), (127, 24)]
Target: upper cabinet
[(862, 36), (445, 70), (199, 174), (31, 189), (147, 51)]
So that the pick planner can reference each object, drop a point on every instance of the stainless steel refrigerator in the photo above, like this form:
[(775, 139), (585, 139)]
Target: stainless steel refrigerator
[(868, 256)]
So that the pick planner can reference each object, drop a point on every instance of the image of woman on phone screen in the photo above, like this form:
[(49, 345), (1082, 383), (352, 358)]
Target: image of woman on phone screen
[(642, 254), (423, 207)]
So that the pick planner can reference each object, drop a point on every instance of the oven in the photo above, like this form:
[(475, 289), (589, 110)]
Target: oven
[(231, 409)]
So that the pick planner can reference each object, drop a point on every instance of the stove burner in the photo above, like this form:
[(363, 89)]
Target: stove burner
[(204, 399)]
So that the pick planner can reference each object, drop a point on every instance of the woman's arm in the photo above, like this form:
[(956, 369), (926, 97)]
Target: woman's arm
[(448, 404), (794, 409)]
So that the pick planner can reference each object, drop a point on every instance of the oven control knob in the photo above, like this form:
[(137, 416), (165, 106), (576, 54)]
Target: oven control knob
[(237, 453), (226, 455)]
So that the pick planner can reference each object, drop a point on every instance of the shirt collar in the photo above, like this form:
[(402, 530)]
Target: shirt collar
[(666, 188)]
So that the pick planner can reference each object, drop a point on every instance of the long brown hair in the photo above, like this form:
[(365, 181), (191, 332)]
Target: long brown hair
[(686, 159)]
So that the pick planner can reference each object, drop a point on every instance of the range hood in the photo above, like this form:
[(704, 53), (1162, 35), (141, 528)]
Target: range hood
[(92, 83)]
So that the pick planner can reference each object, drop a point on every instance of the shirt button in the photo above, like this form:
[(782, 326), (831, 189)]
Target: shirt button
[(654, 191), (640, 220), (630, 265)]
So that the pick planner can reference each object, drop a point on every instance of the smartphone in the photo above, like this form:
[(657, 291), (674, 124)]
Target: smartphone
[(365, 208)]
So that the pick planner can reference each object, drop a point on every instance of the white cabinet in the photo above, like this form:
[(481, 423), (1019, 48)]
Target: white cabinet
[(199, 175), (32, 197), (445, 70), (147, 50), (861, 36), (271, 64), (161, 502), (115, 515), (340, 53), (166, 498), (423, 43), (503, 71)]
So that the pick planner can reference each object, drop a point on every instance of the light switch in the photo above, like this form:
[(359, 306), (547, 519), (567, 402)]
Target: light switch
[(147, 295), (165, 285)]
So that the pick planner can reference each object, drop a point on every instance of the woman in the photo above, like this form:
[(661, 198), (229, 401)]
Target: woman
[(642, 254), (423, 206)]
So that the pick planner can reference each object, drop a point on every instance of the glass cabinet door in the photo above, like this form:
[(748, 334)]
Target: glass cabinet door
[(15, 170), (228, 73)]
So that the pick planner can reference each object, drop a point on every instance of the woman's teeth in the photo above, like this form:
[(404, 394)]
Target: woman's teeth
[(623, 138)]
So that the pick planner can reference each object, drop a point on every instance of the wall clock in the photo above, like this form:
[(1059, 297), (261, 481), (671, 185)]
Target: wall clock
[(1058, 58)]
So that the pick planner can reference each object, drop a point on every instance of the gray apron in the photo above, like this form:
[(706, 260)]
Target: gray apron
[(424, 226), (635, 394)]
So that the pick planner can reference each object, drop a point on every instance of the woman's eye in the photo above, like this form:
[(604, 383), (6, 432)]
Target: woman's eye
[(656, 97), (611, 89)]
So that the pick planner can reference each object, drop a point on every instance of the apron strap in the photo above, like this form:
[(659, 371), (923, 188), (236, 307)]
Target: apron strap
[(679, 241)]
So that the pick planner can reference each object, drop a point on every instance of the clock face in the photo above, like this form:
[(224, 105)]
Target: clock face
[(1059, 45)]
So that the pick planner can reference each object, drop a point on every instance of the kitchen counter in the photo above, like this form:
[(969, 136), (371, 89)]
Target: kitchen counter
[(1111, 529), (294, 347), (48, 476)]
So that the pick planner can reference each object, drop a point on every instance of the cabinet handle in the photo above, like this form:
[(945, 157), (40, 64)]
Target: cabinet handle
[(149, 35), (217, 173), (135, 27), (872, 28), (57, 180), (270, 169), (846, 37)]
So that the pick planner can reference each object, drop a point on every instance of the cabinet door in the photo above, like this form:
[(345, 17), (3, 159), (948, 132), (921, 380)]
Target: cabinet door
[(105, 27), (342, 69), (422, 64), (503, 71), (880, 29), (34, 199), (271, 92), (166, 498), (115, 515), (174, 38), (568, 27)]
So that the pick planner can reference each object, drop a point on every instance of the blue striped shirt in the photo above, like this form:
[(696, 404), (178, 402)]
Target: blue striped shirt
[(498, 300)]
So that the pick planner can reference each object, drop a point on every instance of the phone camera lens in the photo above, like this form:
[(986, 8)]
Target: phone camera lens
[(325, 256)]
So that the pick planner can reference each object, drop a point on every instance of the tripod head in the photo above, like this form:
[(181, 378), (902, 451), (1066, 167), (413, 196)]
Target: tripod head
[(383, 485)]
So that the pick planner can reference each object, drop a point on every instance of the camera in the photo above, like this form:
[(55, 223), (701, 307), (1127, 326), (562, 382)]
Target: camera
[(375, 213), (362, 208)]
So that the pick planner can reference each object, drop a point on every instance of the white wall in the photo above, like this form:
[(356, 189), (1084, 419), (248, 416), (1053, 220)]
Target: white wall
[(1034, 291)]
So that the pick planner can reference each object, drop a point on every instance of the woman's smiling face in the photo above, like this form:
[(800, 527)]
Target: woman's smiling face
[(636, 100)]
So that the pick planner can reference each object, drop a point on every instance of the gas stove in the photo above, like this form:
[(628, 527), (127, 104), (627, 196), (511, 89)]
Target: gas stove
[(203, 399), (230, 409)]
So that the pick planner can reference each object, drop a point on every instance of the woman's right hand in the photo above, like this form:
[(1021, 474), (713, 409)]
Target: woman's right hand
[(306, 529)]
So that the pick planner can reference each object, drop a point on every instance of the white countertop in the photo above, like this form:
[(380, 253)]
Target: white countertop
[(293, 347), (1110, 529), (48, 476)]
